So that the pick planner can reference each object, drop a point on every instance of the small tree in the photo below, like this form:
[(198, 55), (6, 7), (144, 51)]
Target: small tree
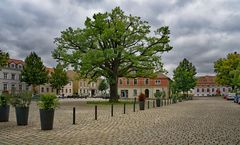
[(113, 45), (3, 58), (103, 86), (184, 77), (34, 72), (58, 78), (227, 70)]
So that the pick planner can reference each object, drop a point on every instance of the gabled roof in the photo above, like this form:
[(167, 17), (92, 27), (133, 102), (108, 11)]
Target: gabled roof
[(15, 61), (206, 80)]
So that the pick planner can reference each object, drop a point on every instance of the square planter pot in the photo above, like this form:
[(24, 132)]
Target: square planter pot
[(22, 115), (158, 102), (47, 118), (4, 113), (141, 105)]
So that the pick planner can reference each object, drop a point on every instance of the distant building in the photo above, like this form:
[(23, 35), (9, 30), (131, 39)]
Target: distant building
[(207, 86), (83, 86), (10, 77), (67, 90), (132, 87)]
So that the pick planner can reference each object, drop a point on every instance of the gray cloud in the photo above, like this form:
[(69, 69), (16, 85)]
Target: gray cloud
[(201, 30)]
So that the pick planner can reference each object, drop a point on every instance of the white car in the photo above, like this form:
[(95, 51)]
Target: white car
[(231, 96)]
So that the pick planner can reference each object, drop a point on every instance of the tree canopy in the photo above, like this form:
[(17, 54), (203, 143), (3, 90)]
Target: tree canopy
[(228, 70), (3, 58), (34, 72), (58, 78), (113, 44), (184, 76)]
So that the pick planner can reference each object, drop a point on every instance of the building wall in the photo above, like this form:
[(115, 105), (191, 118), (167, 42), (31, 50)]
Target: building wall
[(10, 78), (211, 90), (131, 88), (46, 88), (88, 88)]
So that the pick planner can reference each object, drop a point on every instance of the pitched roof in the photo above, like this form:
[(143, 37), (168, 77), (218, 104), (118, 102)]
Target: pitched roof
[(49, 70), (206, 80), (15, 61)]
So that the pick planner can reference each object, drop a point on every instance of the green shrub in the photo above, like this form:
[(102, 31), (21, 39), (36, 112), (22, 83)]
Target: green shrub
[(48, 101), (5, 99), (22, 99)]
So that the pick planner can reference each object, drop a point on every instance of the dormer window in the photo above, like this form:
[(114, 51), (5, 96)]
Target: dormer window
[(20, 66), (12, 65), (158, 82)]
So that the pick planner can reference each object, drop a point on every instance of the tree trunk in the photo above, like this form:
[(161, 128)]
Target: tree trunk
[(114, 90)]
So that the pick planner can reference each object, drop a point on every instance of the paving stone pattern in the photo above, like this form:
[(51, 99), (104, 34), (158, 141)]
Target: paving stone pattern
[(199, 121)]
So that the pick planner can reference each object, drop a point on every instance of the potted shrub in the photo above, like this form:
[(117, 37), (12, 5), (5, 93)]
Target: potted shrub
[(47, 104), (158, 96), (21, 102), (141, 99), (4, 107)]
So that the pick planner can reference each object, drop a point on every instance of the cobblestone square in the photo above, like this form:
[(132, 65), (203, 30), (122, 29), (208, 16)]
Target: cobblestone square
[(200, 121)]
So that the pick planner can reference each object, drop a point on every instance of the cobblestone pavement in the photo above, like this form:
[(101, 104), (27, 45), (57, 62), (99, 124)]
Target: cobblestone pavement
[(200, 121)]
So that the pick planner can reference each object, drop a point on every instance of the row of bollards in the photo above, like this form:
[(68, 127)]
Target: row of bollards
[(162, 103)]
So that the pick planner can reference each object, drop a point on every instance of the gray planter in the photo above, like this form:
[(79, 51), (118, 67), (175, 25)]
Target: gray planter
[(47, 118), (141, 105), (158, 102), (4, 113), (22, 115)]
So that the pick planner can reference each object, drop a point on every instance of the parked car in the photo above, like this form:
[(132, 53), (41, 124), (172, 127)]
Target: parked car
[(236, 98), (231, 96)]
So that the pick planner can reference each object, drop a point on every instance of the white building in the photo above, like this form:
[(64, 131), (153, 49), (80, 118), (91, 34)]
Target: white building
[(207, 86), (10, 77)]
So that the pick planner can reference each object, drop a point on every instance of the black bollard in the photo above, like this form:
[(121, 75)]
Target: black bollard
[(124, 108), (153, 104), (74, 115), (112, 110), (95, 112), (148, 104), (134, 104)]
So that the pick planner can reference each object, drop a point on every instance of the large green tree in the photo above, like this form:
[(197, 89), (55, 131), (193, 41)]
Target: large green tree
[(58, 78), (184, 76), (228, 69), (113, 44), (3, 58), (34, 72)]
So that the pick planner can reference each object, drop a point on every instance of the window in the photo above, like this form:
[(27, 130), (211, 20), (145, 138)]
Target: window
[(120, 81), (42, 89), (158, 82), (5, 87), (223, 89), (208, 90), (70, 83), (13, 76), (47, 89), (134, 92), (135, 81), (13, 88), (197, 90), (128, 81), (80, 91), (12, 65), (202, 89), (20, 87), (70, 90), (66, 90), (212, 89), (5, 75), (84, 91), (146, 81), (20, 66)]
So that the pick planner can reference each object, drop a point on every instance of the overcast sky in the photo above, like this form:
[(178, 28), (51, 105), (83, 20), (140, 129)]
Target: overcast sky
[(201, 30)]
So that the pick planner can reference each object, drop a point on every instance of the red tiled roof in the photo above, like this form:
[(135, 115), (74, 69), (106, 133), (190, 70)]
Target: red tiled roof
[(49, 70), (15, 61), (206, 80)]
